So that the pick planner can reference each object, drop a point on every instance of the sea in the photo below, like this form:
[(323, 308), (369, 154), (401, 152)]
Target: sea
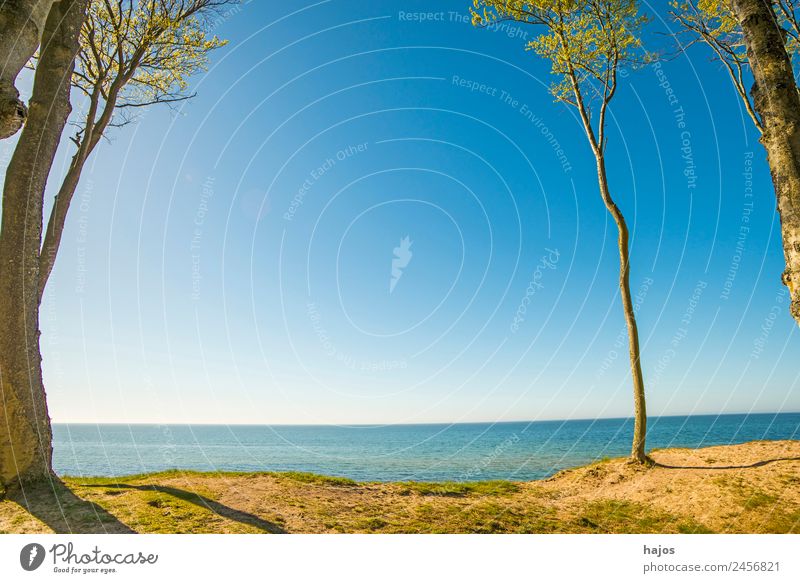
[(428, 452)]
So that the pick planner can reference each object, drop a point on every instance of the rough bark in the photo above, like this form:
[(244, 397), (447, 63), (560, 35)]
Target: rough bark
[(777, 102), (25, 433), (22, 24)]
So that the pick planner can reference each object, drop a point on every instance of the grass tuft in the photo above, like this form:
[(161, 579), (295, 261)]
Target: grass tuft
[(460, 489), (309, 478)]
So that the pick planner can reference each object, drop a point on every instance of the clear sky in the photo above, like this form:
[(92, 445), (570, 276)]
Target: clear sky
[(233, 262)]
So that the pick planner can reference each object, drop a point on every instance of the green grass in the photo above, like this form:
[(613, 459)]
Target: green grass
[(460, 489), (305, 477), (782, 522), (477, 516), (309, 478), (759, 499), (372, 524), (628, 517), (132, 477)]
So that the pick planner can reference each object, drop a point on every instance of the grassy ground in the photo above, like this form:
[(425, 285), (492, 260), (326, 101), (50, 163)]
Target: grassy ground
[(749, 488)]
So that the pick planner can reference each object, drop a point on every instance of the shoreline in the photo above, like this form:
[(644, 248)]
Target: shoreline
[(517, 451), (746, 488)]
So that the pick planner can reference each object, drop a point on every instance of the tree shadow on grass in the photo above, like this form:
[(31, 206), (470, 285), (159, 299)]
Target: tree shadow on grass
[(204, 502), (52, 502), (739, 467)]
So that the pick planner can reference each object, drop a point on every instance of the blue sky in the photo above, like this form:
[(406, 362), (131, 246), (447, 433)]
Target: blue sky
[(231, 262)]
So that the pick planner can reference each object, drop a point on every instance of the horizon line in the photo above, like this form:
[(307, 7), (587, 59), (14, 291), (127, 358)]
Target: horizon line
[(555, 420)]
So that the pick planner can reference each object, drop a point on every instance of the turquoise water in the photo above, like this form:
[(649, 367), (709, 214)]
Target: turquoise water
[(460, 452)]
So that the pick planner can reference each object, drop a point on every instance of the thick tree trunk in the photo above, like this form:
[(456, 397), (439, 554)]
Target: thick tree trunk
[(640, 411), (22, 24), (25, 434), (776, 100)]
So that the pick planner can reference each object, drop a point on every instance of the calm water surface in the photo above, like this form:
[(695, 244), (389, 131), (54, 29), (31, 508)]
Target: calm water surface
[(473, 451)]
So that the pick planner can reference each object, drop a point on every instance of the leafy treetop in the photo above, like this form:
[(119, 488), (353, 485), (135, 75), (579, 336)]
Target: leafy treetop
[(586, 42)]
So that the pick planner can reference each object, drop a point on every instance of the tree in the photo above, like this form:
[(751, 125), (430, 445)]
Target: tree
[(25, 435), (714, 23), (586, 42), (132, 55), (719, 24), (22, 23), (777, 102)]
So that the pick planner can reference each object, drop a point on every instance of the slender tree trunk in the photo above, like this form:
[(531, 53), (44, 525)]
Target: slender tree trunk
[(597, 142), (21, 23), (640, 411), (25, 433), (776, 100), (55, 224), (92, 133)]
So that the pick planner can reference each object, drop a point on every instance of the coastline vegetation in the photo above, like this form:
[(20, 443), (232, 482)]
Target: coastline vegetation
[(747, 488)]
